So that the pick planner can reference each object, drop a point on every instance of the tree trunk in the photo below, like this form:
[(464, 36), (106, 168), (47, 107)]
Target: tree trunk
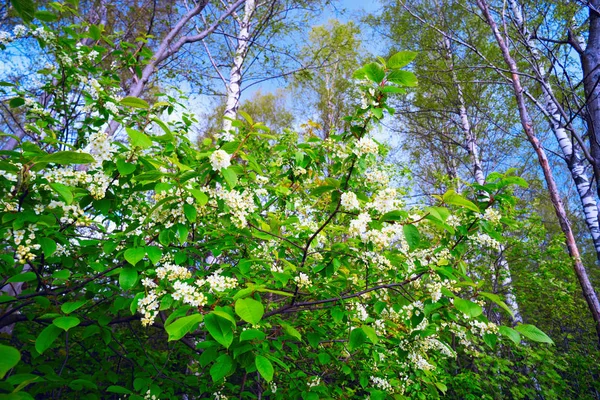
[(473, 150), (586, 286), (590, 63), (570, 148), (235, 75)]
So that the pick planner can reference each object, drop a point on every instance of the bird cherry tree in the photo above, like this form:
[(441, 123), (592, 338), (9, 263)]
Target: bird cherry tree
[(251, 265)]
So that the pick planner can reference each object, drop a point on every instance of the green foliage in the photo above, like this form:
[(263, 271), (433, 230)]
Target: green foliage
[(10, 358), (234, 267)]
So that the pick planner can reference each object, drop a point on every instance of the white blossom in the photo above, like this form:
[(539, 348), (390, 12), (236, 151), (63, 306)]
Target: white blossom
[(220, 159), (349, 201), (366, 145), (19, 31), (302, 280)]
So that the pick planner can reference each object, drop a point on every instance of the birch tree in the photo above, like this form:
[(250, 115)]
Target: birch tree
[(256, 45), (586, 286), (455, 108), (576, 155), (179, 35), (325, 94)]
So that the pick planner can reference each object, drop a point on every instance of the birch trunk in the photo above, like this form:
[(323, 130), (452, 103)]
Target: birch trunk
[(580, 271), (570, 148), (473, 150), (590, 63), (235, 75)]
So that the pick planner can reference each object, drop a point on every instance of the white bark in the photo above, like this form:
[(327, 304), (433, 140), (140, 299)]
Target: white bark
[(235, 75), (586, 286), (168, 47), (473, 149), (570, 149)]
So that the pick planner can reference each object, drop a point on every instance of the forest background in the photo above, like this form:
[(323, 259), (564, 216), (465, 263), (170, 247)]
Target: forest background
[(474, 107)]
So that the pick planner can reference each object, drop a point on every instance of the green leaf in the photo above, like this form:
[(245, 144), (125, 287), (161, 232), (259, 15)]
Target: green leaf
[(154, 253), (249, 310), (533, 333), (278, 292), (48, 246), (451, 197), (95, 32), (514, 180), (403, 78), (395, 215), (393, 89), (359, 74), (16, 102), (357, 338), (290, 330), (125, 168), (5, 298), (441, 387), (371, 334), (510, 333), (230, 177), (496, 299), (138, 139), (80, 384), (118, 389), (25, 9), (66, 323), (24, 277), (67, 157), (71, 306), (252, 334), (10, 357), (412, 235), (166, 302), (46, 338), (377, 112), (134, 255), (190, 212), (61, 274), (319, 190), (467, 307), (182, 326), (246, 116), (374, 72), (182, 233), (134, 102), (225, 315), (264, 367), (200, 196), (401, 59), (63, 191), (221, 368), (128, 278), (220, 329), (45, 16), (490, 339), (134, 303)]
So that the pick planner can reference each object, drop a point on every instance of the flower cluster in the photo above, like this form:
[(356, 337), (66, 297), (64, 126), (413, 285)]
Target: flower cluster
[(366, 145), (381, 383), (349, 201), (240, 205), (486, 240), (385, 201), (218, 282), (220, 159), (358, 226), (302, 280), (492, 215)]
